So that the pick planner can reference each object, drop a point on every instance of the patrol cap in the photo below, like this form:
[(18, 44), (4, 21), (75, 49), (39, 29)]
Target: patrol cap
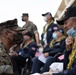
[(69, 12), (10, 24), (25, 14), (48, 13), (60, 30)]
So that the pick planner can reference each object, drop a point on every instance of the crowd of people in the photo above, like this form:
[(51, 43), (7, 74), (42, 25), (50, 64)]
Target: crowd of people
[(20, 52)]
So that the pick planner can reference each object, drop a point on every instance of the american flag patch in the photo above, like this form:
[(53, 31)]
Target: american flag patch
[(33, 48), (55, 28)]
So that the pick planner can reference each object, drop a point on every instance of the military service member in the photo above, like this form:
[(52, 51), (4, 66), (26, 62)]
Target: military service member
[(30, 26), (9, 35)]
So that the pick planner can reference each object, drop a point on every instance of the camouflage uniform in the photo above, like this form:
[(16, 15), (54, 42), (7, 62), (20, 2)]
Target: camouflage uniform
[(5, 62), (32, 28)]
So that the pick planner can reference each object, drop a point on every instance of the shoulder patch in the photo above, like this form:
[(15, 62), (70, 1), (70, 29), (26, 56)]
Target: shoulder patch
[(55, 28), (33, 48), (50, 29)]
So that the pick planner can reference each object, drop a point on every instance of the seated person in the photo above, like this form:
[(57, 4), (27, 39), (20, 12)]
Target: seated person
[(57, 45), (69, 61), (28, 50), (69, 23)]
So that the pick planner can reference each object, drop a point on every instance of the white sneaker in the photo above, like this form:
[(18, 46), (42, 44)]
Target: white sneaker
[(36, 74)]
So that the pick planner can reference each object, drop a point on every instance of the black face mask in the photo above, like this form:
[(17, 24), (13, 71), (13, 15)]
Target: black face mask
[(23, 19), (17, 38)]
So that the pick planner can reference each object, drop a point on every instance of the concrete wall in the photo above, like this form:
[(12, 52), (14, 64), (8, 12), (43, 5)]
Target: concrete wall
[(64, 4)]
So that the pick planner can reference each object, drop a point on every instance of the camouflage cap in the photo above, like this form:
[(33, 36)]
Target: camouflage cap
[(10, 24), (25, 14)]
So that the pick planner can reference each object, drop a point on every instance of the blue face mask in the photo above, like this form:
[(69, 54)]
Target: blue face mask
[(54, 35), (71, 32)]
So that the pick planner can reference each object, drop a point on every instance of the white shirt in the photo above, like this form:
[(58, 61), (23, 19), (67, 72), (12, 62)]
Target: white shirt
[(45, 35)]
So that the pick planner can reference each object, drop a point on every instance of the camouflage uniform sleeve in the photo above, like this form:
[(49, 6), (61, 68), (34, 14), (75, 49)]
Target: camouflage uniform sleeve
[(5, 61), (35, 30), (23, 26)]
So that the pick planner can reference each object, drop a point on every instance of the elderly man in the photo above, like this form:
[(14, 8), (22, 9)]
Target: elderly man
[(9, 35), (69, 22)]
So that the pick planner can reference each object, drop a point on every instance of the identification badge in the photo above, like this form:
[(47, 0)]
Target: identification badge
[(50, 29)]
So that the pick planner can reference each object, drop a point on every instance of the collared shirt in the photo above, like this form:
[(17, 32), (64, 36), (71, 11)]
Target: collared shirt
[(45, 35)]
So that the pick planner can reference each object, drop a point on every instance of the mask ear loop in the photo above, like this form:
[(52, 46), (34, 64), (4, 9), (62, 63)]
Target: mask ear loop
[(9, 38), (74, 23), (9, 32), (73, 26)]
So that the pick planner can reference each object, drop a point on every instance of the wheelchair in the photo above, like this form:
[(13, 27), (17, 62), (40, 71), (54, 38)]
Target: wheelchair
[(27, 69)]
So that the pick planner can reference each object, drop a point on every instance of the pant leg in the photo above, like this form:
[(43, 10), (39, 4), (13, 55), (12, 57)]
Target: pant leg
[(49, 61), (36, 65), (17, 62)]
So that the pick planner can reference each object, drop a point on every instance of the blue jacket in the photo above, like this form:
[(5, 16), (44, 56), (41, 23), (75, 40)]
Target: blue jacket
[(58, 47), (49, 31), (29, 50)]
